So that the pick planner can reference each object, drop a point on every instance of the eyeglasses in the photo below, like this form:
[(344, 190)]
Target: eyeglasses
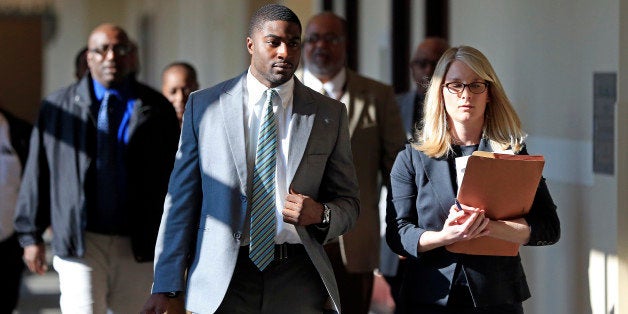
[(423, 63), (119, 50), (458, 87), (328, 39)]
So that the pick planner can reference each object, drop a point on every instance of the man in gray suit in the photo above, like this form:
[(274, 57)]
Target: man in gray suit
[(210, 224)]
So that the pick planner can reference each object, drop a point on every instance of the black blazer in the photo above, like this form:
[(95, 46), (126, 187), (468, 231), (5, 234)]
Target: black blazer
[(58, 181), (423, 192)]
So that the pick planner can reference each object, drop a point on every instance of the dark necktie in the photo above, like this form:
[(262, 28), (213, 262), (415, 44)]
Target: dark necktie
[(106, 155), (263, 222)]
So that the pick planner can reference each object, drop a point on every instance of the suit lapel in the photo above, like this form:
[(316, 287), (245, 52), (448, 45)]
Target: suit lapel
[(233, 111), (355, 103), (141, 111), (140, 114), (303, 115), (439, 174)]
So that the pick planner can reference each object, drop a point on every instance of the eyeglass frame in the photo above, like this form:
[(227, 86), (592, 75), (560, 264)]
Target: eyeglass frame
[(119, 50), (328, 39), (485, 84)]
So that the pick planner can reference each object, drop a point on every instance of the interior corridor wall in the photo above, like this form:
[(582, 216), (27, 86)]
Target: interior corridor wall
[(208, 34), (545, 53)]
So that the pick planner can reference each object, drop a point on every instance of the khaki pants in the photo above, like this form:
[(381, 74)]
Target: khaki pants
[(106, 278)]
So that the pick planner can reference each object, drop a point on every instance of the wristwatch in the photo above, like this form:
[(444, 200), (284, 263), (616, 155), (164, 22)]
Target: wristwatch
[(326, 214), (172, 294)]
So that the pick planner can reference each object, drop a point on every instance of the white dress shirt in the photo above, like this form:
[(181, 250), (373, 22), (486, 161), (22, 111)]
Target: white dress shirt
[(254, 99), (334, 88)]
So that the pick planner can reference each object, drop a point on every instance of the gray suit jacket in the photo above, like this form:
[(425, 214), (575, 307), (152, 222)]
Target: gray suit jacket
[(206, 209)]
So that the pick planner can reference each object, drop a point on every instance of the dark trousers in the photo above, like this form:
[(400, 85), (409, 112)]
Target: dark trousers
[(355, 289), (11, 267), (461, 302), (395, 282), (496, 309), (290, 285)]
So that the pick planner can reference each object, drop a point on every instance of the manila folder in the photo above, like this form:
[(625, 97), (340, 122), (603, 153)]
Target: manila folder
[(504, 186)]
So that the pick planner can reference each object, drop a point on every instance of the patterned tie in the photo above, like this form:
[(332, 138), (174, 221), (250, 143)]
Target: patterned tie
[(262, 247), (106, 161), (324, 92)]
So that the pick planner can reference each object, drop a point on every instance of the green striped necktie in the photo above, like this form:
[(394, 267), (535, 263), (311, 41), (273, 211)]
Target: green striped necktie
[(263, 222)]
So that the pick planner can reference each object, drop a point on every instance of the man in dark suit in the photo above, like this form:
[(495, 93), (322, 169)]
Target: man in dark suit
[(262, 135), (422, 65), (100, 157), (376, 137), (14, 134), (410, 103)]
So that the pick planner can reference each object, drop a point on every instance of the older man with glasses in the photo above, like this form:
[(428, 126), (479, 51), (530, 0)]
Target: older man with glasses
[(376, 137), (101, 155)]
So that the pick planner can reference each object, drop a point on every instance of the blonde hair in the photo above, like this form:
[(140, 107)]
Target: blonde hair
[(502, 126)]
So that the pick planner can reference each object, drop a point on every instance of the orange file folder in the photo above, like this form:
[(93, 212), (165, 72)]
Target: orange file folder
[(504, 186)]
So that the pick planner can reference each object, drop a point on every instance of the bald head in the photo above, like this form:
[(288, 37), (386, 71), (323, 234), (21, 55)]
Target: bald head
[(325, 51), (425, 58), (178, 80), (109, 54), (327, 17)]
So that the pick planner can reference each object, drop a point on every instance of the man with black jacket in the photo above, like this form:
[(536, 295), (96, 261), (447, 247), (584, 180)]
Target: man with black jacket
[(101, 155)]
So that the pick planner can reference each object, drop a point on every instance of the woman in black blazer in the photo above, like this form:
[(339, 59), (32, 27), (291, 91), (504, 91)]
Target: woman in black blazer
[(466, 109)]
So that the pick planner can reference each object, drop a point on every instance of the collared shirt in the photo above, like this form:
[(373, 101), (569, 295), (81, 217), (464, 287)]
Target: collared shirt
[(334, 88), (254, 99), (10, 179)]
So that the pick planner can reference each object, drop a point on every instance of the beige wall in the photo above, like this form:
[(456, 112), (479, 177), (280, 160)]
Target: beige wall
[(199, 32), (546, 53), (622, 155)]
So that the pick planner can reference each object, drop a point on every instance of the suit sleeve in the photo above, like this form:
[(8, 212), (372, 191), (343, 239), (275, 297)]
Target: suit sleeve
[(339, 185), (542, 217), (181, 211)]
